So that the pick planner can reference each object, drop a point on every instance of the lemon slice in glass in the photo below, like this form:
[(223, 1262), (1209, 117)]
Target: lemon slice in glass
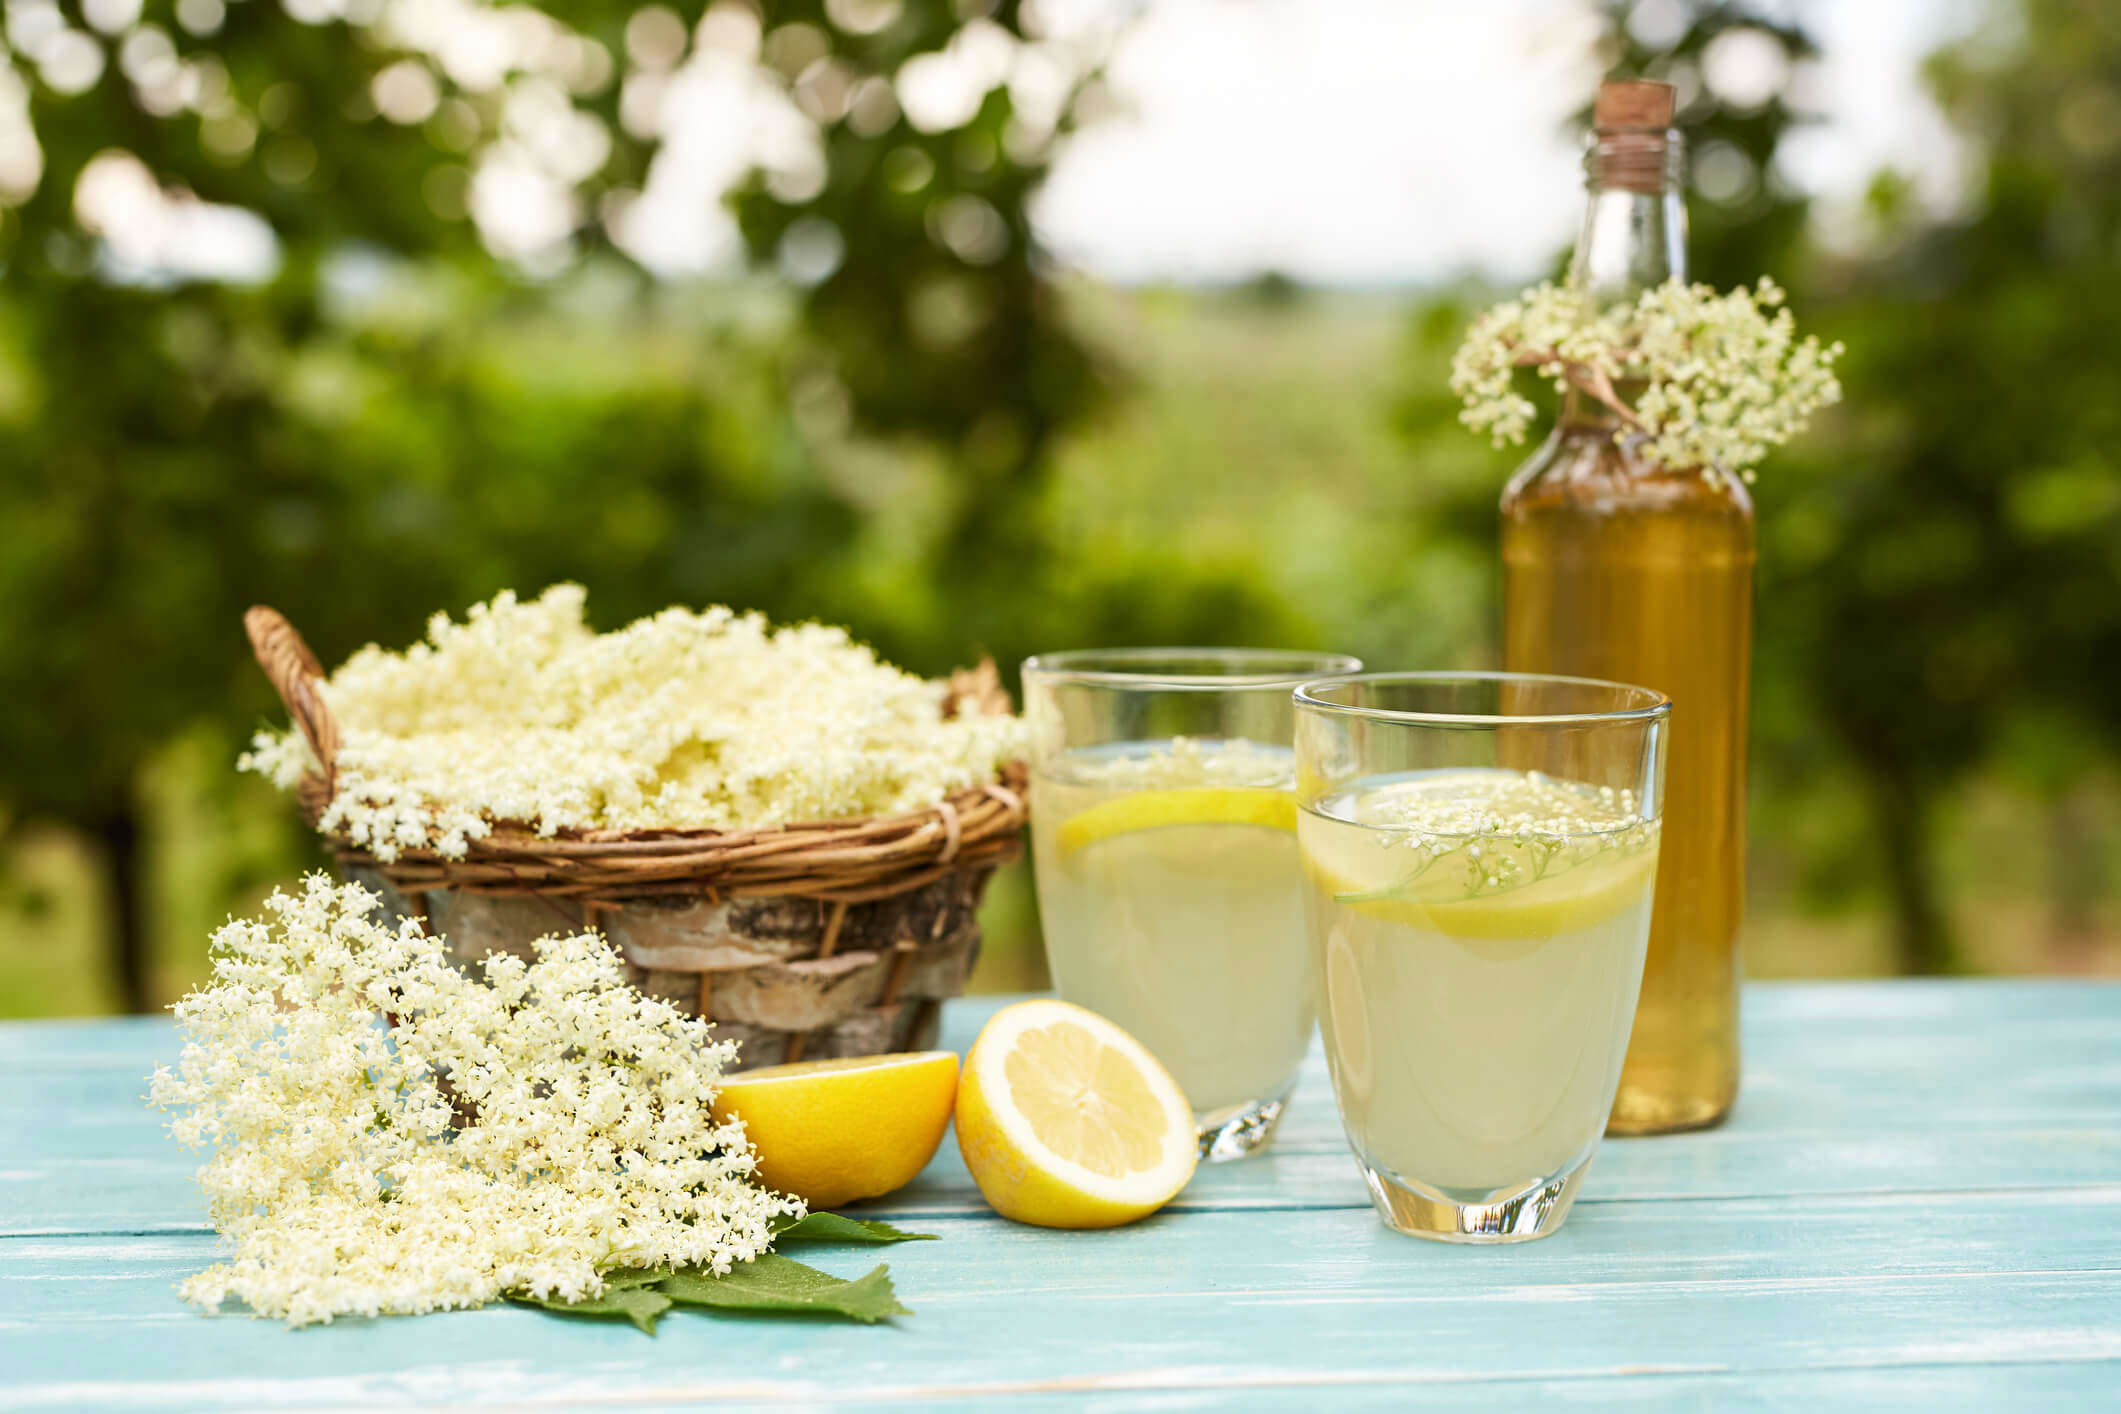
[(1067, 1121), (1578, 898), (1161, 809)]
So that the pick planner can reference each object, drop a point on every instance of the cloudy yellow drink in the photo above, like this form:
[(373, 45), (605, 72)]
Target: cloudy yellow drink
[(1169, 890), (1477, 937)]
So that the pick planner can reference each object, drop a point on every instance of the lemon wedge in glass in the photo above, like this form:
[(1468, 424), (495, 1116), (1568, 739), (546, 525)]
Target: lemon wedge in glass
[(1160, 809), (1066, 1121)]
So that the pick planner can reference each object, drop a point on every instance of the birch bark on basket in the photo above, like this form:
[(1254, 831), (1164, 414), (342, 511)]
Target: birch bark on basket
[(818, 938)]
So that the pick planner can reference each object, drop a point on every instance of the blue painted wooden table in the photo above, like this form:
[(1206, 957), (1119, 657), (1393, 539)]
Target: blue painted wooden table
[(1919, 1200)]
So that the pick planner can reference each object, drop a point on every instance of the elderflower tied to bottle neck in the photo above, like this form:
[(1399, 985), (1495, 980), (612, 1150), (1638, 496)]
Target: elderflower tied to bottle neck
[(1697, 380), (1634, 225)]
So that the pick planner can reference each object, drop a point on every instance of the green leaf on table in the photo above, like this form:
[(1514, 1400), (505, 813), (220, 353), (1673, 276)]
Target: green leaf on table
[(836, 1227), (619, 1278), (637, 1304), (775, 1283)]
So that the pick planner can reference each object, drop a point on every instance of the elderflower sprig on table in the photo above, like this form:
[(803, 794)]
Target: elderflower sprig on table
[(341, 1179), (1723, 378), (681, 721)]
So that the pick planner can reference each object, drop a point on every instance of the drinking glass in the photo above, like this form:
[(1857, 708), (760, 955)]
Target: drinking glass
[(1163, 836), (1479, 853)]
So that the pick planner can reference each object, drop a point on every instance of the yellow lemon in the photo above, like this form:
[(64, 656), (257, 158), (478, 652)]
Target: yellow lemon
[(1066, 1121), (1156, 809), (833, 1131)]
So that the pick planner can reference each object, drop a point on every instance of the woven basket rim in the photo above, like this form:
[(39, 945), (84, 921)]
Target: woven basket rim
[(848, 858)]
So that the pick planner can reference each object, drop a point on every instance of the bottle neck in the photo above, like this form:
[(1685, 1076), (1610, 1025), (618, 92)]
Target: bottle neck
[(1634, 225)]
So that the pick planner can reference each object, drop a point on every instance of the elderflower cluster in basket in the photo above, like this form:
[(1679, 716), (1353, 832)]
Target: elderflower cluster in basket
[(1721, 379), (681, 721), (342, 1179)]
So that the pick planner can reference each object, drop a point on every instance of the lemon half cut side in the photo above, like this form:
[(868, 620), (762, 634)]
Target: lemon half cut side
[(1066, 1121)]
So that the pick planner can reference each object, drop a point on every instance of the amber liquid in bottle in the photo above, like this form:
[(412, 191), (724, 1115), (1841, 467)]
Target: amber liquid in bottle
[(1615, 568)]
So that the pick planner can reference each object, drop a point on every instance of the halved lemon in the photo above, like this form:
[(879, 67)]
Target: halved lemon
[(833, 1131), (1195, 805), (1067, 1121)]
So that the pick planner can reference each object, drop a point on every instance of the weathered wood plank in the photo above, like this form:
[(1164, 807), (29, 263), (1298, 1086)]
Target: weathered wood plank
[(1960, 1006), (1836, 1101), (1817, 1055), (2071, 1385), (1346, 1256), (152, 1193), (1919, 1201), (1316, 1300)]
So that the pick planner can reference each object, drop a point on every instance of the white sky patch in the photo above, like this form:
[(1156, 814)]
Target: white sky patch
[(718, 115), (1879, 115), (1352, 141), (150, 234), (1404, 141)]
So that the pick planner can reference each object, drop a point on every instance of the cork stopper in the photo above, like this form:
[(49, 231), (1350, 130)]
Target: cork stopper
[(1624, 104), (1633, 146)]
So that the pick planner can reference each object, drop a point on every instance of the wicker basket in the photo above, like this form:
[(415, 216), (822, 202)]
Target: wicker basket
[(825, 938)]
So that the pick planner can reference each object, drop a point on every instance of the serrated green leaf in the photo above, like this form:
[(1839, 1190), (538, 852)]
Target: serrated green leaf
[(837, 1227), (775, 1283), (637, 1304)]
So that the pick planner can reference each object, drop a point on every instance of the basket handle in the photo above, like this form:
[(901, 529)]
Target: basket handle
[(297, 677)]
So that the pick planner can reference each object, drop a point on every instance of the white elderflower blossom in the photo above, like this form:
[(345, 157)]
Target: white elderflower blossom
[(1722, 378), (282, 758), (681, 721), (342, 1180)]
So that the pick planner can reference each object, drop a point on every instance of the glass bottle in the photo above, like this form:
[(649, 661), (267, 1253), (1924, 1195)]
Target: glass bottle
[(1614, 567)]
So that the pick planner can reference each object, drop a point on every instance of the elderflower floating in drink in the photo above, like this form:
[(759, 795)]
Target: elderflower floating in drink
[(1163, 830), (1478, 924)]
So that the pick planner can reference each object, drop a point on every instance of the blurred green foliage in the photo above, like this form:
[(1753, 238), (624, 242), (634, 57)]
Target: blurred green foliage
[(1940, 584), (387, 421), (937, 321), (916, 430)]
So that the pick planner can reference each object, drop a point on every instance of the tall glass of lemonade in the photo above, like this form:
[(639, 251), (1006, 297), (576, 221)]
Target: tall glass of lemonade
[(1479, 855), (1163, 832)]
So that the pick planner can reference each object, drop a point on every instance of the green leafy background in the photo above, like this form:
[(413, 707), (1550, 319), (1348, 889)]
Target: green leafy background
[(960, 450)]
